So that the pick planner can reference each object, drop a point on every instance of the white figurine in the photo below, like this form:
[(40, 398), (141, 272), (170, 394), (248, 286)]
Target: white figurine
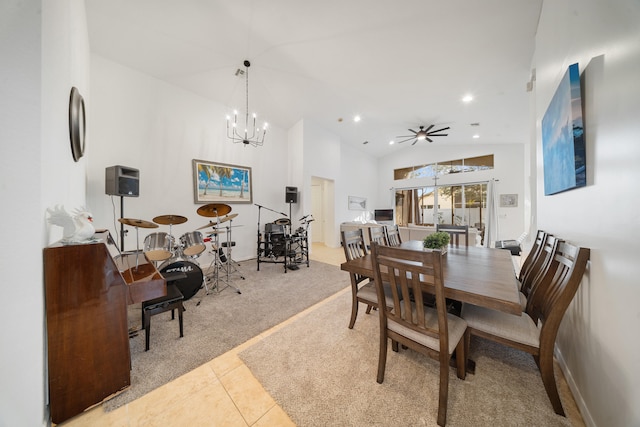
[(76, 228)]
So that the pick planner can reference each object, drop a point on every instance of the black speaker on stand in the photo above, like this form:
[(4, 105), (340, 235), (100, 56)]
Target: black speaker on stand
[(122, 181), (291, 194)]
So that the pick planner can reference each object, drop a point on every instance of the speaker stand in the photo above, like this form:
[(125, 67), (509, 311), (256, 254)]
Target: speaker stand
[(121, 224)]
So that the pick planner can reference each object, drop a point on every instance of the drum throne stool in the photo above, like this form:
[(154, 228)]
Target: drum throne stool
[(172, 301)]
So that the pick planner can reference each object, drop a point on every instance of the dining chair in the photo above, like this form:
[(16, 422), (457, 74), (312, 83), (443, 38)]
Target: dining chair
[(377, 234), (362, 288), (535, 331), (393, 235), (455, 231), (538, 268), (531, 257), (430, 331)]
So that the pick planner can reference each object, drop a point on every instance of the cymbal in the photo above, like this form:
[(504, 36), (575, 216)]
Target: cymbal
[(138, 223), (283, 221), (169, 219), (211, 224), (214, 209), (228, 218)]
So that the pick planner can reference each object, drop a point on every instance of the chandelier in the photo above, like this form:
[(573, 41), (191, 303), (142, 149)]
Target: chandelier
[(256, 137)]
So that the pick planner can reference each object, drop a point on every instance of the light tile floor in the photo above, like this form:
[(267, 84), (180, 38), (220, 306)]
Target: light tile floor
[(223, 392)]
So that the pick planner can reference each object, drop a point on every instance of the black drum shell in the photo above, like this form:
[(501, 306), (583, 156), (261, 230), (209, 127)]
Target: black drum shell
[(189, 285)]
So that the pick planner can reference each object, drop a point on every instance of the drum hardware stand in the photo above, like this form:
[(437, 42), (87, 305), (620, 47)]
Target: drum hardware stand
[(300, 253), (217, 265), (213, 272), (231, 267)]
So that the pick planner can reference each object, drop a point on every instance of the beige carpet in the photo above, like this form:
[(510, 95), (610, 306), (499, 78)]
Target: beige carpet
[(324, 374)]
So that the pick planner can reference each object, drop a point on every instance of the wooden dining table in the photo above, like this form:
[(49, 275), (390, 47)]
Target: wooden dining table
[(475, 275)]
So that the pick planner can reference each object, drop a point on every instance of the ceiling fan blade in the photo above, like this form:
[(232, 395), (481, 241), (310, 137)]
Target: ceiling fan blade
[(429, 128), (429, 139), (414, 142), (412, 130), (438, 134), (439, 130), (405, 140), (405, 136)]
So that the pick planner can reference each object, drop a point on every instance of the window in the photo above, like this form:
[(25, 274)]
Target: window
[(446, 167), (446, 204)]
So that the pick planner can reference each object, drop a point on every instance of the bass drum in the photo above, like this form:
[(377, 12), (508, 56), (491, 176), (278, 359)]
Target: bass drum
[(190, 285)]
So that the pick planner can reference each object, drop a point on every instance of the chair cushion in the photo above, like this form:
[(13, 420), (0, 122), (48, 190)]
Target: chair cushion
[(173, 295), (523, 301), (521, 329), (368, 292), (456, 326)]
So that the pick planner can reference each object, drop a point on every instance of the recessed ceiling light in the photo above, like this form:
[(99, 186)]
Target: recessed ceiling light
[(356, 119), (467, 98), (391, 142), (476, 136)]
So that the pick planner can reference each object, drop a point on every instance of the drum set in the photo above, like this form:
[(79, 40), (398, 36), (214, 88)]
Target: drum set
[(279, 244), (181, 256)]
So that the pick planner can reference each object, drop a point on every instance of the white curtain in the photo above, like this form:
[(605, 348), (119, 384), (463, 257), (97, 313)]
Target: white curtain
[(491, 229)]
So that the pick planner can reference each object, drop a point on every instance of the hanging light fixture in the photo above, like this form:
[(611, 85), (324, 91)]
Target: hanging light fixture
[(256, 137)]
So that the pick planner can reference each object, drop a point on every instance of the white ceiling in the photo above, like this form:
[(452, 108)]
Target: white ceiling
[(397, 63)]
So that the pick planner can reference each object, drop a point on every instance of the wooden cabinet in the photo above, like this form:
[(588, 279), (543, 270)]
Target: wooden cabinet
[(87, 330)]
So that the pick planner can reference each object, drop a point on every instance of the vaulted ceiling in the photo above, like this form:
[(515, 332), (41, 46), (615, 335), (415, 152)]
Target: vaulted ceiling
[(398, 64)]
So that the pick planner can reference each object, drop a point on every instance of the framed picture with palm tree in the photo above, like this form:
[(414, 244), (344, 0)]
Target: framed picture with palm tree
[(221, 183)]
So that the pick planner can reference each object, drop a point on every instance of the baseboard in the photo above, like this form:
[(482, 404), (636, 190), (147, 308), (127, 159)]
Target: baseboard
[(577, 396)]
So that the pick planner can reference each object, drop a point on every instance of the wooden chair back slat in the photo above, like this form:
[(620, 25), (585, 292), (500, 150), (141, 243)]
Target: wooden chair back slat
[(455, 231)]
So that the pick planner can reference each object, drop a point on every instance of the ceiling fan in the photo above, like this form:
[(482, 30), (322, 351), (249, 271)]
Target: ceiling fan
[(423, 134)]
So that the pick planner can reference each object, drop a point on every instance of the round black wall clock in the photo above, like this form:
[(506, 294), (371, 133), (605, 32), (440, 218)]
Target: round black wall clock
[(76, 124)]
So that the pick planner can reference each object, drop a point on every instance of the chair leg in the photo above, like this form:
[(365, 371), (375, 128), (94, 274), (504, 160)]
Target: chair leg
[(147, 331), (467, 345), (549, 381), (444, 389), (354, 311), (461, 359), (369, 307), (382, 357), (180, 310)]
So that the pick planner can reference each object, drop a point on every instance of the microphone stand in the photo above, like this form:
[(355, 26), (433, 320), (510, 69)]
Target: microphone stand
[(259, 236)]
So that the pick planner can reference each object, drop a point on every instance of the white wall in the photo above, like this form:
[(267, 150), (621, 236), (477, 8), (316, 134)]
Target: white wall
[(44, 50), (23, 392), (141, 122), (352, 172), (296, 174), (509, 162), (598, 342)]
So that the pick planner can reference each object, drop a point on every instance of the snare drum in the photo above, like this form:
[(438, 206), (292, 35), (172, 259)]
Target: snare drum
[(157, 246), (192, 243)]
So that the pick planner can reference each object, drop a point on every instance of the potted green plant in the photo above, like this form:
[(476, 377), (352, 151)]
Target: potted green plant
[(437, 240)]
